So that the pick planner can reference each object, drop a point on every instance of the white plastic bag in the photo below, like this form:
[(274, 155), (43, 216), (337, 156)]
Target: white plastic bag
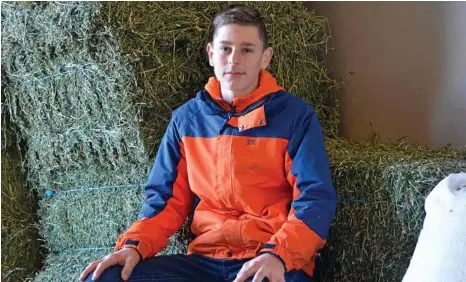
[(440, 254)]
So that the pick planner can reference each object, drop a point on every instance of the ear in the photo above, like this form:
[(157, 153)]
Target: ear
[(266, 57), (210, 52)]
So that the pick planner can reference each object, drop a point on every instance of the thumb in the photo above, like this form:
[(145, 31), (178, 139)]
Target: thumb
[(127, 268)]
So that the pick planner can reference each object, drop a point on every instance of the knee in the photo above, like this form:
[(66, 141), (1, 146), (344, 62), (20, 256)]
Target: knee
[(111, 274)]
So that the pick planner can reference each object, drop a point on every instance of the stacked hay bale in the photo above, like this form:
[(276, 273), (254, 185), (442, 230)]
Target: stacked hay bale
[(70, 93), (382, 190)]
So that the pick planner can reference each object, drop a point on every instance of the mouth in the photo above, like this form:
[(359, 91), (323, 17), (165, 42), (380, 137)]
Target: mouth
[(234, 73)]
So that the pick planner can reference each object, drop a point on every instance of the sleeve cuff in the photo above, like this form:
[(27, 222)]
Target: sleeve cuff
[(134, 244)]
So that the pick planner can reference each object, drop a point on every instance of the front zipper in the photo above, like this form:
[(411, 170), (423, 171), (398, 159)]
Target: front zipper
[(233, 111)]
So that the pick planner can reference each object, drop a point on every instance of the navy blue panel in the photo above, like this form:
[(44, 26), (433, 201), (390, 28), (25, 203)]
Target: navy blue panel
[(316, 204), (159, 186)]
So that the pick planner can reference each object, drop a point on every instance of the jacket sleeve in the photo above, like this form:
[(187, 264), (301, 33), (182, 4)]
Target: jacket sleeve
[(314, 198), (168, 199)]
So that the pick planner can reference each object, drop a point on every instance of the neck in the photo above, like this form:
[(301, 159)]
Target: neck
[(229, 95)]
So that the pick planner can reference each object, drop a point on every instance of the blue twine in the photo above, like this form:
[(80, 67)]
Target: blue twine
[(73, 70), (19, 12), (50, 192)]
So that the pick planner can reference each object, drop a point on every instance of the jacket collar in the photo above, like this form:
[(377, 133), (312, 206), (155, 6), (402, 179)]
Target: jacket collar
[(251, 117), (267, 85)]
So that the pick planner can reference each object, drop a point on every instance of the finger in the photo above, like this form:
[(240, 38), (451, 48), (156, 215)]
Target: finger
[(128, 268), (89, 269), (259, 276), (246, 272), (104, 264)]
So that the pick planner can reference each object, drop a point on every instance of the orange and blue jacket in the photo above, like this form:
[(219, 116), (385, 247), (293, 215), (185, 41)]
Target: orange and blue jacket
[(255, 172)]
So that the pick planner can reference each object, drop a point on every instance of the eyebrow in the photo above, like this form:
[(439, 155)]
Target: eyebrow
[(242, 44)]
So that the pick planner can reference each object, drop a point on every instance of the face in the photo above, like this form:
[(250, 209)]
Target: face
[(237, 54)]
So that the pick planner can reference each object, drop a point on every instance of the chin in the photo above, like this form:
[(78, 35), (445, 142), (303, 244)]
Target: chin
[(231, 86)]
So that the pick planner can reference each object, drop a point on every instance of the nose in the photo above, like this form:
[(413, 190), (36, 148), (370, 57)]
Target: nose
[(234, 58)]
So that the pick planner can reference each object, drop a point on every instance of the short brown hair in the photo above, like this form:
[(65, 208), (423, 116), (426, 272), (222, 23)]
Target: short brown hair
[(241, 15)]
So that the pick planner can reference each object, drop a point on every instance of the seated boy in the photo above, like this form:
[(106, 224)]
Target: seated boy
[(249, 158)]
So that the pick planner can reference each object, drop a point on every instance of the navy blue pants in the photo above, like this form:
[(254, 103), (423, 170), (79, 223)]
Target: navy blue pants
[(177, 268)]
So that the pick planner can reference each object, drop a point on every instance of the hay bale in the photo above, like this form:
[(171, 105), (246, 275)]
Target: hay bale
[(410, 184), (370, 239), (67, 266), (94, 218), (89, 218), (70, 91), (166, 42), (20, 236)]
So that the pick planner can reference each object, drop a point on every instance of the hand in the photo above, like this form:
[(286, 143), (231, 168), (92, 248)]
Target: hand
[(127, 257), (265, 265)]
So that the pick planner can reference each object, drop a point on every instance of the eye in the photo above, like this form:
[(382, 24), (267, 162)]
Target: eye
[(225, 48), (248, 50)]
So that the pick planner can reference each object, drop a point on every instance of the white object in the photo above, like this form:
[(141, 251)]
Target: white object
[(440, 254)]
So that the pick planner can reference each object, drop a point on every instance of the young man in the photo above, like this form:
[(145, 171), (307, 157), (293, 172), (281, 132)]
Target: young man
[(250, 158)]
